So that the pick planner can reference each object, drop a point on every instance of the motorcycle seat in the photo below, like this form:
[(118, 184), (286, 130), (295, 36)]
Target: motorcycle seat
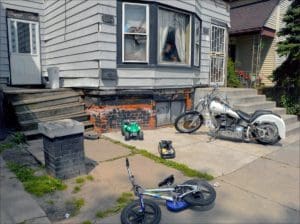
[(251, 117)]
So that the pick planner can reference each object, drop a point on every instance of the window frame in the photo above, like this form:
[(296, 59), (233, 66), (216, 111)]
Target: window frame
[(200, 40), (218, 54), (14, 22), (159, 63), (126, 33)]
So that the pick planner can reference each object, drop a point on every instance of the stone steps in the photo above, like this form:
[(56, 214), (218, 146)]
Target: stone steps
[(32, 106), (50, 111), (33, 124), (46, 101), (251, 107)]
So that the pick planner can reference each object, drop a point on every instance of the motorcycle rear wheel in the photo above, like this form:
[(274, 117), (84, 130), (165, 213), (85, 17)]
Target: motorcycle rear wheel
[(270, 135), (188, 122)]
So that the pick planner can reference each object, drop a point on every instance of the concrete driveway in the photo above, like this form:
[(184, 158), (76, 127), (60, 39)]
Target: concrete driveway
[(257, 184), (217, 157)]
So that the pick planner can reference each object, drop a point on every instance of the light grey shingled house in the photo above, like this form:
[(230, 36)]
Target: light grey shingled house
[(157, 50)]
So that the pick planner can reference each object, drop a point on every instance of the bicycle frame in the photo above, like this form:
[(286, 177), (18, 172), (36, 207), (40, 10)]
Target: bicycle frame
[(155, 192)]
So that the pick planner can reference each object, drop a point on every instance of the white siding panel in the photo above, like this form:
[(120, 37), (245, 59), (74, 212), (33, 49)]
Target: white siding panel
[(272, 20)]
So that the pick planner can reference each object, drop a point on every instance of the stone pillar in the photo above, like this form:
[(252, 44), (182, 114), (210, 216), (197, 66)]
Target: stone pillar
[(63, 148)]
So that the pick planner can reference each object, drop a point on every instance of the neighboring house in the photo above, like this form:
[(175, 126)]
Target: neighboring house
[(133, 59), (253, 39)]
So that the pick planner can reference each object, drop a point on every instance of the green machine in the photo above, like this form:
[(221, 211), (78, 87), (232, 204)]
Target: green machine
[(131, 129)]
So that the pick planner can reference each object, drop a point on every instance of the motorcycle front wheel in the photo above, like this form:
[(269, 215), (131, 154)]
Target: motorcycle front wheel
[(188, 122), (267, 134), (132, 213)]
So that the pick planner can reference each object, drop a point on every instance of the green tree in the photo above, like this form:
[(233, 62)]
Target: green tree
[(287, 75)]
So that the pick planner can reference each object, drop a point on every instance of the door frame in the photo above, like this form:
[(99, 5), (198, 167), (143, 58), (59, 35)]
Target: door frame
[(38, 43)]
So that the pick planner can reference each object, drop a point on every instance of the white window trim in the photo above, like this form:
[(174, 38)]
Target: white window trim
[(146, 34), (190, 40), (199, 53), (14, 21), (216, 54)]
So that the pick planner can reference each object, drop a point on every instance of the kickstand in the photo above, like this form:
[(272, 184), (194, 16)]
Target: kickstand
[(213, 135)]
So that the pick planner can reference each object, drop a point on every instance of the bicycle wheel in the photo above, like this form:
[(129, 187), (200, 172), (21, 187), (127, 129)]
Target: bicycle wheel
[(132, 213), (205, 196), (188, 122)]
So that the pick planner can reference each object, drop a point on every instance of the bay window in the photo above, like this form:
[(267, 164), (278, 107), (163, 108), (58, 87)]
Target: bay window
[(135, 35), (174, 32)]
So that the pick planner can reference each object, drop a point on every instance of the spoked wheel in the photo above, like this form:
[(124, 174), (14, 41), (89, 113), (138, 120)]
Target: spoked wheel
[(267, 133), (132, 213), (188, 122), (203, 197)]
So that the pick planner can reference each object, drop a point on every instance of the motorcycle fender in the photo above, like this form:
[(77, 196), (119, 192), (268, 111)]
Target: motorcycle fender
[(271, 118)]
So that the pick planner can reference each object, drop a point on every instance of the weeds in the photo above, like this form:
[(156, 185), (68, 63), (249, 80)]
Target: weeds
[(16, 139), (86, 222), (90, 178), (175, 165), (80, 180), (121, 202), (76, 204), (36, 185), (76, 189)]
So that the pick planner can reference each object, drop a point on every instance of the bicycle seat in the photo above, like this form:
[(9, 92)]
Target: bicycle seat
[(169, 180)]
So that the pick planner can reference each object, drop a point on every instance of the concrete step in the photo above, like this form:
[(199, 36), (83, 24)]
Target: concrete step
[(289, 119), (293, 129), (229, 92), (35, 134), (279, 110), (24, 94), (251, 107), (246, 99), (50, 111), (33, 124), (46, 101)]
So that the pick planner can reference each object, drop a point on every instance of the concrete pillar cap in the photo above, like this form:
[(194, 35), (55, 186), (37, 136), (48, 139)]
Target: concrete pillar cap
[(53, 129)]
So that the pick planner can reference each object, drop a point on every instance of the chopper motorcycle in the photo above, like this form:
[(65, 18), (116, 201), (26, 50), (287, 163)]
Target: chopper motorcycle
[(264, 126)]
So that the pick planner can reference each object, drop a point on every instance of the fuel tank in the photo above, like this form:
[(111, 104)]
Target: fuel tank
[(218, 107)]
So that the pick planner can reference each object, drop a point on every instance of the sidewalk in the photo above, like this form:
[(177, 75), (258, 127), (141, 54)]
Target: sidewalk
[(16, 205), (263, 190)]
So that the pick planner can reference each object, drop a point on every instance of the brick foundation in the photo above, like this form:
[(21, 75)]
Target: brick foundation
[(107, 118), (108, 111)]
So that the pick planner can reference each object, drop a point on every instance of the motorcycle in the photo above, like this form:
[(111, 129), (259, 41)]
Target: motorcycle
[(264, 126)]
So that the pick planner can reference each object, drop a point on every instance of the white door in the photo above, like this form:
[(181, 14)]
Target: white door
[(217, 63), (24, 52)]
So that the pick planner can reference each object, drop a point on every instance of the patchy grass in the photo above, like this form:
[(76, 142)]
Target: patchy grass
[(76, 204), (36, 185), (175, 165), (50, 202), (121, 202), (90, 177), (86, 222), (13, 140), (76, 189), (80, 180)]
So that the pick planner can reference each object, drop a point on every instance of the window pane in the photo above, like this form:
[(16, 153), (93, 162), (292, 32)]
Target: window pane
[(135, 47), (174, 37), (197, 43), (13, 36), (135, 19), (23, 37), (33, 34)]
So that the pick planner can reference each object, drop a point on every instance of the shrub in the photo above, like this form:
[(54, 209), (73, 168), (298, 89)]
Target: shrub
[(232, 79)]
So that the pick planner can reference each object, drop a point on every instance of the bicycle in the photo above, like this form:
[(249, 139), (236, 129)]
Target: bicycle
[(193, 192)]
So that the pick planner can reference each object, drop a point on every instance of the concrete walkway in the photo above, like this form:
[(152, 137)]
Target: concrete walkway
[(16, 205), (263, 191), (217, 157)]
